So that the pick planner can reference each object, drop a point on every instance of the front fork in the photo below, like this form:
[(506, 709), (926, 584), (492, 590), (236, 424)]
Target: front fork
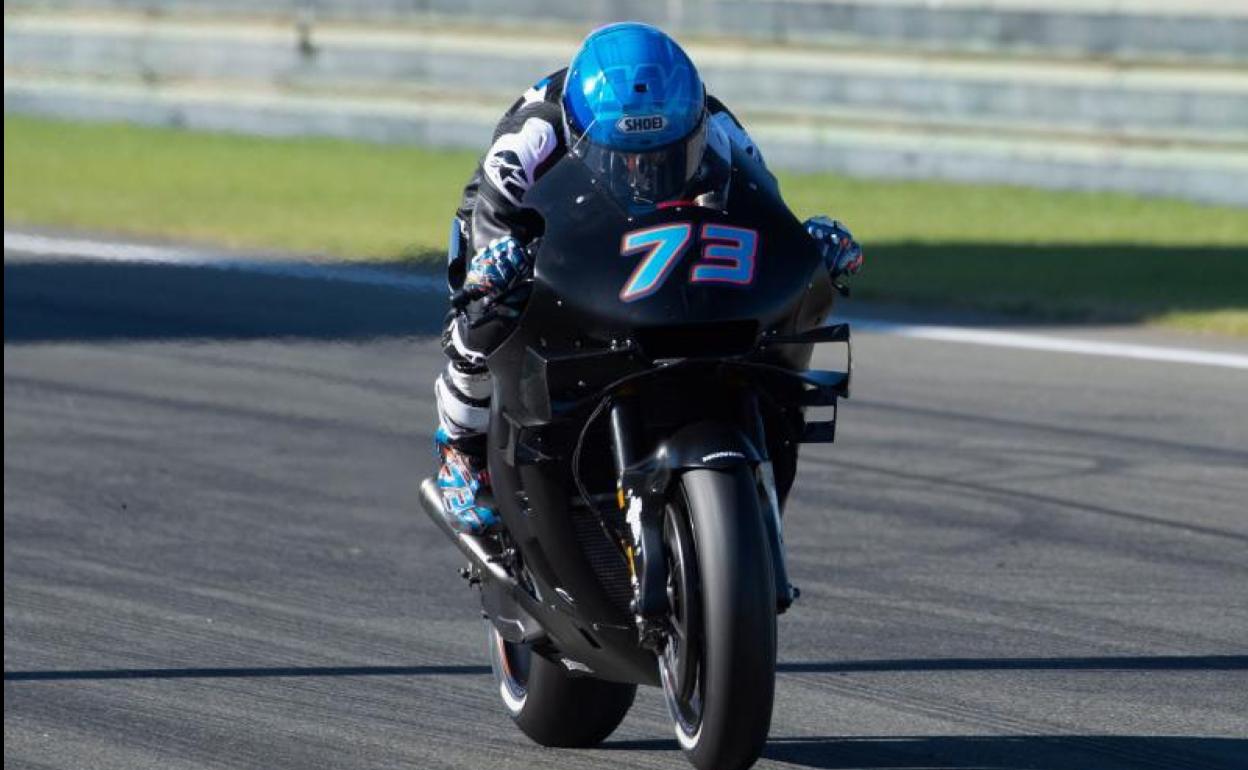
[(641, 492)]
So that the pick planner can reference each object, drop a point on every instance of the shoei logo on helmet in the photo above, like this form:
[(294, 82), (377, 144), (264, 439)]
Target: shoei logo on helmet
[(641, 124)]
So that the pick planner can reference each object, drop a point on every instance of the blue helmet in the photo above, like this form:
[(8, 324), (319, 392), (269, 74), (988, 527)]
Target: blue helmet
[(635, 111)]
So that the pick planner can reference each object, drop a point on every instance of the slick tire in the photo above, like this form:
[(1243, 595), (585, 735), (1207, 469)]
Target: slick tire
[(738, 607), (549, 705)]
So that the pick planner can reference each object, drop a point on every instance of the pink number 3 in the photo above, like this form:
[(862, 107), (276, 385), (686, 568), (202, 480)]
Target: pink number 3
[(728, 256)]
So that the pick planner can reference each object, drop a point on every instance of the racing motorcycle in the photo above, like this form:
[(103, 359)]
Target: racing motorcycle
[(649, 400)]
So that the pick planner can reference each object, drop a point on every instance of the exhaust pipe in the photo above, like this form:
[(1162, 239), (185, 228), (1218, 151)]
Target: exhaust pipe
[(478, 552)]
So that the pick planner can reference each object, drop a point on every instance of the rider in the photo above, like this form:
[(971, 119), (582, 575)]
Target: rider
[(631, 105)]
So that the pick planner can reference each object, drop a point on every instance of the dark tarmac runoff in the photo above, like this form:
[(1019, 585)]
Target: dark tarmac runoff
[(213, 555)]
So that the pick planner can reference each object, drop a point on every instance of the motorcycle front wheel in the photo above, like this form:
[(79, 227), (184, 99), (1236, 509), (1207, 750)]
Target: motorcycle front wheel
[(718, 668)]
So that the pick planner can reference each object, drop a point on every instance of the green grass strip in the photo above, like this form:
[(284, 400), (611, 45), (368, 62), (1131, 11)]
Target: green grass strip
[(1054, 255)]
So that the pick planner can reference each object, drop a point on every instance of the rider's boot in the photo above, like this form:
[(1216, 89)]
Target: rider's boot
[(463, 480)]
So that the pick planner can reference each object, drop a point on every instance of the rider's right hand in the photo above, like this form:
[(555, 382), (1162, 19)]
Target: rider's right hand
[(495, 268), (841, 253)]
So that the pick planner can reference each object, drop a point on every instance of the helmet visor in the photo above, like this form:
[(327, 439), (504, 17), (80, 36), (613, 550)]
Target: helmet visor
[(642, 180)]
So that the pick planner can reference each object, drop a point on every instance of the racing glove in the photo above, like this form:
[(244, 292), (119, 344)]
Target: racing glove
[(495, 268), (841, 253)]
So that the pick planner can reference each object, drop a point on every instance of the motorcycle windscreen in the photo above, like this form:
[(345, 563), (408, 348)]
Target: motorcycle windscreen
[(639, 180), (606, 272)]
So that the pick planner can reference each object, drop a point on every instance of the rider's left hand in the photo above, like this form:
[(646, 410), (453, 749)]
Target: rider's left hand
[(841, 253)]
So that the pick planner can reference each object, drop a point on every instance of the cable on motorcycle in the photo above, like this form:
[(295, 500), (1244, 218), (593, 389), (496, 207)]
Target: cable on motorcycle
[(614, 537)]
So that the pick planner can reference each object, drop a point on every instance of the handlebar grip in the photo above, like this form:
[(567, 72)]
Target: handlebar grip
[(462, 298)]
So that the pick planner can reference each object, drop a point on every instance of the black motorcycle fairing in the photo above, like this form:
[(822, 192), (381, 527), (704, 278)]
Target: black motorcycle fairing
[(574, 308), (581, 220)]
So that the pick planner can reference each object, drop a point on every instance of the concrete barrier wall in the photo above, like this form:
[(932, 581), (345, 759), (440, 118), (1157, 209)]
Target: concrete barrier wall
[(1092, 99), (1127, 29), (1179, 131)]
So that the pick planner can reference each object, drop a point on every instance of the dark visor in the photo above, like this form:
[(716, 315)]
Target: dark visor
[(641, 180)]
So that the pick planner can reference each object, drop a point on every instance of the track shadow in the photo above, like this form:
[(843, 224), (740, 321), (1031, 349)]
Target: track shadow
[(65, 301), (73, 300), (1136, 663), (239, 673), (1146, 663), (1009, 752), (1013, 752), (991, 752)]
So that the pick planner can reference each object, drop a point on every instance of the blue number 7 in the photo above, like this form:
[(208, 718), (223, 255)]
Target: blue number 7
[(664, 246)]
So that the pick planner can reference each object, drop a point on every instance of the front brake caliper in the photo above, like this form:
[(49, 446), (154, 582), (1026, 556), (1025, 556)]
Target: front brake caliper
[(641, 494)]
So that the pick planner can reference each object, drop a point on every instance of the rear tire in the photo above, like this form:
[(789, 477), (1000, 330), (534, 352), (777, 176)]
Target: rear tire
[(549, 705), (724, 724)]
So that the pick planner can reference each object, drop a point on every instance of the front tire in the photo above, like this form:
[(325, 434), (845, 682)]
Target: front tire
[(549, 705), (724, 613)]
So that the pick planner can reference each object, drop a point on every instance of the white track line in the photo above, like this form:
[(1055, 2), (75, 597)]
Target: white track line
[(79, 248), (994, 338)]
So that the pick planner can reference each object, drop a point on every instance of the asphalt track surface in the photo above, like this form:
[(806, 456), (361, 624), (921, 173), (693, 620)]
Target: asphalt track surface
[(212, 556)]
